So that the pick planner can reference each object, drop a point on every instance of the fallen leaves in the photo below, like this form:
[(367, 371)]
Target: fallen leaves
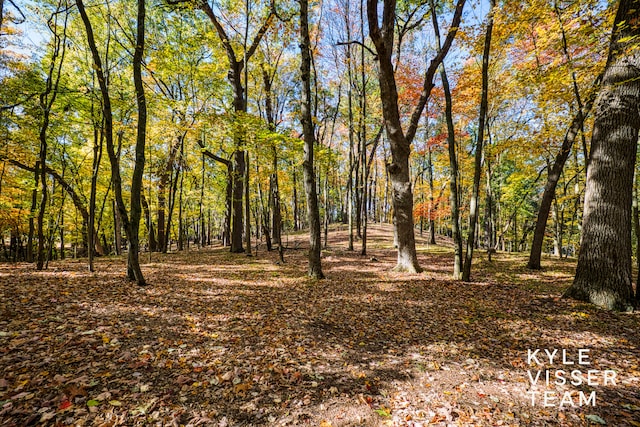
[(222, 339)]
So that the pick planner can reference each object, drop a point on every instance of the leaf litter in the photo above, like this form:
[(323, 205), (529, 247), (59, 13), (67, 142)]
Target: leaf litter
[(228, 340)]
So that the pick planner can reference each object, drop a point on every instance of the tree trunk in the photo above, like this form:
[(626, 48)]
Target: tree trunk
[(296, 221), (603, 275), (432, 222), (363, 139), (477, 171), (133, 267), (32, 215), (313, 214), (552, 180), (453, 180), (108, 118), (117, 229), (153, 244), (636, 228), (47, 98), (240, 106), (247, 206), (95, 169)]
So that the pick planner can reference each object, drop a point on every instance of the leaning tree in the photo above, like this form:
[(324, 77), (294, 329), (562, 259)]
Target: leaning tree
[(603, 275)]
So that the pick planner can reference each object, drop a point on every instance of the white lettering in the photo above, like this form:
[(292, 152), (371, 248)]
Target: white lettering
[(532, 380), (576, 378), (549, 397), (592, 377), (592, 399), (531, 356), (609, 375), (551, 355), (566, 400), (583, 356), (564, 358)]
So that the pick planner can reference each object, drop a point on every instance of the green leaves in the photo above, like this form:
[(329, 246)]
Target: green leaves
[(595, 419)]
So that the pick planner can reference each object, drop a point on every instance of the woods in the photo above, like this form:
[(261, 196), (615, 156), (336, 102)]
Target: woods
[(331, 212), (399, 125)]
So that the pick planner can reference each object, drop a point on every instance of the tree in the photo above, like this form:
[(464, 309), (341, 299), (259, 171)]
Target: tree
[(47, 98), (238, 63), (308, 131), (603, 275), (138, 169), (552, 180), (482, 116), (133, 271), (382, 36)]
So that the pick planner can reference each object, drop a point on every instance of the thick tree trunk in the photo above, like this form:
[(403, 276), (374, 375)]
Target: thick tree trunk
[(237, 213), (603, 275), (313, 214), (636, 229)]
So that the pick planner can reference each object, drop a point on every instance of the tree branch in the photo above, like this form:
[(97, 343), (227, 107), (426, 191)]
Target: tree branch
[(431, 71), (358, 42)]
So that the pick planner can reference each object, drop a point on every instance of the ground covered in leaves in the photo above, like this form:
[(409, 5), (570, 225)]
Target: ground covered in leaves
[(227, 340)]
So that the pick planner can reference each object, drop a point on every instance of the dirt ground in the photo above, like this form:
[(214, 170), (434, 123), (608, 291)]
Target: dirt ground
[(228, 340)]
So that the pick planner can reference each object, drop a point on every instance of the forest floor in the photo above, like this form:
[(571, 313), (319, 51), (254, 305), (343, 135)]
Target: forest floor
[(228, 340)]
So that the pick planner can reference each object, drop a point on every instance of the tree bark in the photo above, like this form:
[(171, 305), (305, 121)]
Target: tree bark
[(432, 222), (636, 229), (134, 271), (95, 168), (603, 275), (313, 214), (228, 191), (247, 206)]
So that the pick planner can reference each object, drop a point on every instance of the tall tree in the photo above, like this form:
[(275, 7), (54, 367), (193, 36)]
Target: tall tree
[(576, 127), (553, 177), (382, 35), (309, 135), (133, 271), (482, 115), (238, 63), (603, 275), (47, 98), (138, 169)]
